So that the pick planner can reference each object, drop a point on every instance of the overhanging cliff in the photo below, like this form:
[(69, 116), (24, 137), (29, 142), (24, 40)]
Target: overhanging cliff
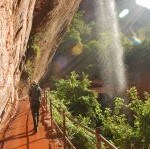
[(15, 26), (49, 33)]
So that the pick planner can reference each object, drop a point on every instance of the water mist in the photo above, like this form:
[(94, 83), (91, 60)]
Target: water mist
[(111, 57)]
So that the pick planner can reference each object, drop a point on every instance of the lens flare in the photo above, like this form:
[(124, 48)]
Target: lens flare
[(77, 50), (123, 13), (135, 40), (60, 63)]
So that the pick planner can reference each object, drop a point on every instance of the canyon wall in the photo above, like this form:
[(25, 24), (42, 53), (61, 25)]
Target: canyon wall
[(15, 27), (50, 32)]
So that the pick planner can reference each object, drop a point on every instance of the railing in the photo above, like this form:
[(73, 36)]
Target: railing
[(99, 138), (63, 132)]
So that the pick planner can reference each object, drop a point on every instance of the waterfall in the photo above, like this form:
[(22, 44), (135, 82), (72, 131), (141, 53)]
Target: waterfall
[(111, 57)]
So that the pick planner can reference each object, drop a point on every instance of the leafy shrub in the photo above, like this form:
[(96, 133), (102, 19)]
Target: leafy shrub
[(125, 125), (123, 133), (78, 136), (74, 95), (79, 99)]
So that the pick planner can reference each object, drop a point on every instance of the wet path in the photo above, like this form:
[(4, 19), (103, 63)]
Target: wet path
[(20, 133)]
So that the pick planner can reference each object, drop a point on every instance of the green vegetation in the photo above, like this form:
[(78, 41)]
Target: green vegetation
[(78, 136), (78, 98), (29, 68), (33, 52), (79, 101), (93, 46), (125, 125), (139, 56), (132, 126), (128, 123), (78, 44)]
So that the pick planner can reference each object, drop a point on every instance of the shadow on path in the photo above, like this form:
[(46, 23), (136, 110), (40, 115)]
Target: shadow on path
[(20, 133)]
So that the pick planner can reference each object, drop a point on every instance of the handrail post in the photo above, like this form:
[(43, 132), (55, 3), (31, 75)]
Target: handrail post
[(43, 100), (51, 112), (46, 101), (98, 139), (64, 128)]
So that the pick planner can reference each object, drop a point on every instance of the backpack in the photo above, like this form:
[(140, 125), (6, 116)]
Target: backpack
[(35, 93)]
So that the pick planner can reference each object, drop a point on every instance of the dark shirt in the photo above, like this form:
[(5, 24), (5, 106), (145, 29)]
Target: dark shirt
[(35, 94)]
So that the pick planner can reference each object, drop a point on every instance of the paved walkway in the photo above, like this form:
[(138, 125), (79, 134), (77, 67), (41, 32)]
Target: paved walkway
[(20, 134)]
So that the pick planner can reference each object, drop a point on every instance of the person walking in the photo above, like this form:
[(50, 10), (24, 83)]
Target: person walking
[(35, 100)]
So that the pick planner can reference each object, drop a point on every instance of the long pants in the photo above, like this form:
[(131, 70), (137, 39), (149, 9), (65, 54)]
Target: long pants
[(35, 119), (35, 115)]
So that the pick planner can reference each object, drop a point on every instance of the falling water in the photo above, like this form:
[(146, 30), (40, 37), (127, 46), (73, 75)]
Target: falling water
[(111, 57)]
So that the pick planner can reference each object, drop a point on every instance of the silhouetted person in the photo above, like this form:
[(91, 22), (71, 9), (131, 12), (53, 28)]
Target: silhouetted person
[(35, 98)]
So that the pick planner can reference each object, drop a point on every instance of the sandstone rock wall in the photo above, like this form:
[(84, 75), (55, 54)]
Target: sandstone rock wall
[(15, 25), (49, 33)]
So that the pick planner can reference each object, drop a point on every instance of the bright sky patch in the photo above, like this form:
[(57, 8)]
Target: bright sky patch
[(144, 3)]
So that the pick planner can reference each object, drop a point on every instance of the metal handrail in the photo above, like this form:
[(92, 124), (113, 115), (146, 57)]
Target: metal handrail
[(64, 131), (69, 142), (92, 131)]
